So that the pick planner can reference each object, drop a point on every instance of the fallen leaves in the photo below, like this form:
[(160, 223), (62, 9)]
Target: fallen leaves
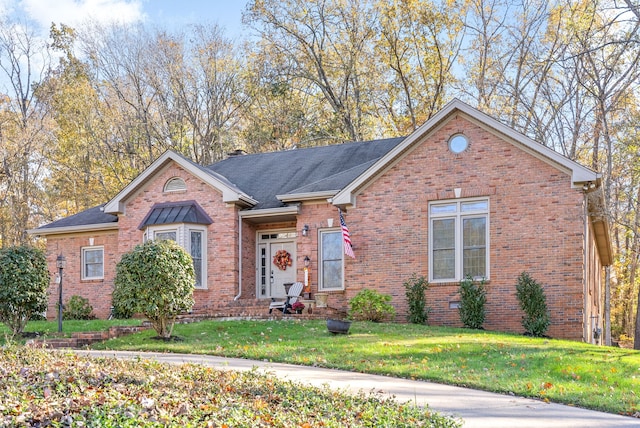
[(44, 388)]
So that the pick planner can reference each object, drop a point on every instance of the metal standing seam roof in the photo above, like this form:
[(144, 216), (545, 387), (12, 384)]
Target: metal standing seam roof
[(176, 212)]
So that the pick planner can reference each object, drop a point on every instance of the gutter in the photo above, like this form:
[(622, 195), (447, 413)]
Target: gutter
[(73, 229)]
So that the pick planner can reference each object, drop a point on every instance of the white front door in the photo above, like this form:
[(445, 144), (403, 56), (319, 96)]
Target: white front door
[(271, 278), (279, 277)]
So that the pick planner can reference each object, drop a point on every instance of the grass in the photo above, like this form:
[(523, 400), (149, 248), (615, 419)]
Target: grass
[(50, 328), (600, 378)]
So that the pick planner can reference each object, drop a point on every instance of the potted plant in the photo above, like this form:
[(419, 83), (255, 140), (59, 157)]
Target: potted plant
[(297, 307)]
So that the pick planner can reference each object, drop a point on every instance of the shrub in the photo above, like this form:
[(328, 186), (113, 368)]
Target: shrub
[(78, 308), (416, 288), (533, 302), (156, 279), (370, 305), (24, 280), (473, 297), (120, 312)]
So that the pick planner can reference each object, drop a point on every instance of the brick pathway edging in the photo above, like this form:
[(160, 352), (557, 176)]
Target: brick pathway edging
[(82, 339)]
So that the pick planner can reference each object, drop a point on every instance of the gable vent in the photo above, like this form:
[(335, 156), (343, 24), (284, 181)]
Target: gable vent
[(175, 184)]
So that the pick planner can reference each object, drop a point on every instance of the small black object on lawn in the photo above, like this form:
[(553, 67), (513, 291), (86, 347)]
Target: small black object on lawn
[(338, 326)]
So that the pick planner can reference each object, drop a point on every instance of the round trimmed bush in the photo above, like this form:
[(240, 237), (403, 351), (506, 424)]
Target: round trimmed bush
[(370, 305), (156, 279), (24, 280)]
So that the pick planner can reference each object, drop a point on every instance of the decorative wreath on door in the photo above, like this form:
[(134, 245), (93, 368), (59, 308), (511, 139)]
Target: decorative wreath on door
[(282, 259)]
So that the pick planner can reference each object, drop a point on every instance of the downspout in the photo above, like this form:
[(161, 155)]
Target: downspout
[(239, 257), (585, 255), (607, 306)]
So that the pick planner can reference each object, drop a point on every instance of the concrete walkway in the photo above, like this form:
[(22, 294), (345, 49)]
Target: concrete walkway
[(478, 409)]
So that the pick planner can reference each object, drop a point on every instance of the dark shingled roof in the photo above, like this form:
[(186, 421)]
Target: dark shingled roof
[(93, 215), (265, 175)]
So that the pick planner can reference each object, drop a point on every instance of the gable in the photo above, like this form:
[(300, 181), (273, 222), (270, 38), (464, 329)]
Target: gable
[(579, 175), (230, 192)]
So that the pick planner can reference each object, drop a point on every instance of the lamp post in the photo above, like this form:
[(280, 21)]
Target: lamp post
[(60, 263)]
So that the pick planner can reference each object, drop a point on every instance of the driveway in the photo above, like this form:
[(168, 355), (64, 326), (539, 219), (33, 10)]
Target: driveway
[(478, 409)]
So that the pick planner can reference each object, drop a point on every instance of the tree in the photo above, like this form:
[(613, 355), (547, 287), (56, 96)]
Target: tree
[(325, 47), (23, 129), (417, 47), (24, 280), (156, 279)]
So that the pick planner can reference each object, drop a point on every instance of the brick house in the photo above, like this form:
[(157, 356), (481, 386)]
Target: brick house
[(463, 194)]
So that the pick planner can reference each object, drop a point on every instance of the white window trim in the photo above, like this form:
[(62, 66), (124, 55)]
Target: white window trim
[(459, 216), (92, 248), (321, 287), (183, 236)]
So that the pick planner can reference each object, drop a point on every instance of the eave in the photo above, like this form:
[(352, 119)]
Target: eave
[(307, 196), (271, 215), (73, 229)]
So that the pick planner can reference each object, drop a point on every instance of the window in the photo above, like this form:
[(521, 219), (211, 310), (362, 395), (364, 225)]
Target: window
[(331, 260), (458, 144), (175, 184), (459, 240), (193, 239), (93, 263)]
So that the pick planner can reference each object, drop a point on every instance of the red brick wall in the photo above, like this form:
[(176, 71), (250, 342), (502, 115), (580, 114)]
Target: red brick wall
[(97, 291), (535, 225), (222, 235)]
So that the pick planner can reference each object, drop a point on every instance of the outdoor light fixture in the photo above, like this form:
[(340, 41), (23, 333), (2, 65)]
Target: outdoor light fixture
[(60, 263), (307, 260), (305, 230)]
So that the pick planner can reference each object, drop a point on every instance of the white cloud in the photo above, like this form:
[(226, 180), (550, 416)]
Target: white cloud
[(75, 12)]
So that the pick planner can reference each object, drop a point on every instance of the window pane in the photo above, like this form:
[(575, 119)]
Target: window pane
[(332, 246), (196, 255), (443, 209), (168, 235), (93, 264), (474, 247), (444, 262), (331, 260), (332, 274), (475, 206)]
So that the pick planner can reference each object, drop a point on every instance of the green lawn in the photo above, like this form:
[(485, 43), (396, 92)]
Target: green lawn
[(50, 328), (575, 373)]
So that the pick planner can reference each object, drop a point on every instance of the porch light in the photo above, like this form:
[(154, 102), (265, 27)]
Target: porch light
[(305, 230), (60, 263), (307, 260)]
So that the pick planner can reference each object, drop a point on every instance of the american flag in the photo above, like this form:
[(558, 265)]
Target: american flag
[(348, 250)]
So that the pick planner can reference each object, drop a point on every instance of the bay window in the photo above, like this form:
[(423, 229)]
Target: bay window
[(190, 237)]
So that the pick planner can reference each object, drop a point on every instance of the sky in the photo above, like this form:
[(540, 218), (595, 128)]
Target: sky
[(165, 13)]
